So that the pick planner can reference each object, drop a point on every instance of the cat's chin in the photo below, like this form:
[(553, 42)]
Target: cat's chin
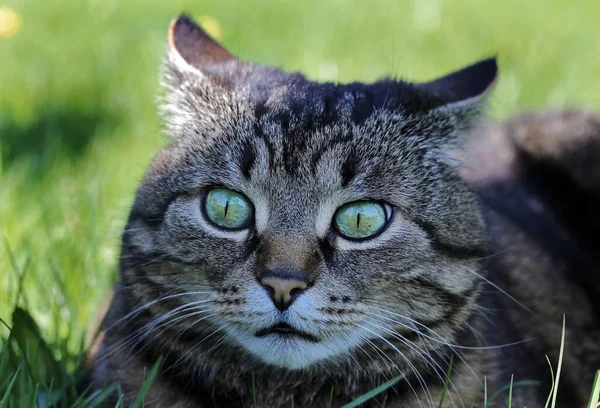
[(295, 352)]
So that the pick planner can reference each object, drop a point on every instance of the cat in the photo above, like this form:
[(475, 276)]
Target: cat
[(314, 240)]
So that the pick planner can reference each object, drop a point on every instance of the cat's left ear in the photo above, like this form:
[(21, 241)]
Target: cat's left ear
[(464, 88), (192, 49)]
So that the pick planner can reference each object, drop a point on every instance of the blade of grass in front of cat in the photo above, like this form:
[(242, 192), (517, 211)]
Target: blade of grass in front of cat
[(85, 397), (373, 392), (120, 402), (512, 377), (522, 383), (97, 399), (551, 384), (139, 400), (595, 395), (485, 398), (560, 358), (446, 381)]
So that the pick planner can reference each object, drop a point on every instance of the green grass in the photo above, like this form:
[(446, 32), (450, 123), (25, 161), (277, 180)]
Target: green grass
[(78, 125)]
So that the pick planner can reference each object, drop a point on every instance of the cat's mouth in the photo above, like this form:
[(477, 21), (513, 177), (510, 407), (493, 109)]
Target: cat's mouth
[(285, 330)]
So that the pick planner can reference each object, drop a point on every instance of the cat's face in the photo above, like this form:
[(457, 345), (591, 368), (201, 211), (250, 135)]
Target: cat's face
[(305, 221)]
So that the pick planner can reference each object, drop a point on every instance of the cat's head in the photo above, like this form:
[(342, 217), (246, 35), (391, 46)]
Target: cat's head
[(303, 220)]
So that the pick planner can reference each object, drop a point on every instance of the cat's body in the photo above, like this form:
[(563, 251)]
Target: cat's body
[(287, 303)]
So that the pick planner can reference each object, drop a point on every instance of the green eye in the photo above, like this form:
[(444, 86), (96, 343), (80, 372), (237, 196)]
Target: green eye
[(361, 219), (227, 208)]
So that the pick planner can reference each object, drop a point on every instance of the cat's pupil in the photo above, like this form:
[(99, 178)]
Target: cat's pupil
[(228, 209), (361, 219)]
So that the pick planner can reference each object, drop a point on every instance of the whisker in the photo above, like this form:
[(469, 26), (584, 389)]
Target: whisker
[(424, 354), (420, 379), (381, 371), (170, 324), (190, 351), (139, 309), (145, 330), (443, 341), (489, 282)]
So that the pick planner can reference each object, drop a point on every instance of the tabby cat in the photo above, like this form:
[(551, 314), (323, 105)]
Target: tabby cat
[(314, 240)]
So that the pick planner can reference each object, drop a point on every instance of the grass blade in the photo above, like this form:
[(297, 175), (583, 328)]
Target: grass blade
[(522, 383), (97, 398), (485, 398), (560, 358), (373, 392), (595, 395), (446, 381), (552, 384), (331, 398), (10, 385), (512, 377), (139, 399)]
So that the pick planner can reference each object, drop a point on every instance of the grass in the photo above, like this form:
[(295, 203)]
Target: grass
[(78, 126)]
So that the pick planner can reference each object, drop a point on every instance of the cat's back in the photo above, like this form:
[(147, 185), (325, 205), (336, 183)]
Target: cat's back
[(538, 177)]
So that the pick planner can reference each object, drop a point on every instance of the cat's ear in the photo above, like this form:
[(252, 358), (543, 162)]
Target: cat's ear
[(192, 49), (196, 72), (463, 88)]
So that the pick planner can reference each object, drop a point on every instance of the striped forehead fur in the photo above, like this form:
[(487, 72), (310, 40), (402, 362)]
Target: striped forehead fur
[(298, 125)]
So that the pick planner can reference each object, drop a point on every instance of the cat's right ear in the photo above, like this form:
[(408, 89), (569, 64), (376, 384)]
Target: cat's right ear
[(192, 49)]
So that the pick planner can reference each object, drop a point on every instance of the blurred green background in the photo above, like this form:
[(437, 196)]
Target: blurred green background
[(78, 123)]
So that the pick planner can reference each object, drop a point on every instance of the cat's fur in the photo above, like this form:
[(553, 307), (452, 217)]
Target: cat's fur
[(402, 302)]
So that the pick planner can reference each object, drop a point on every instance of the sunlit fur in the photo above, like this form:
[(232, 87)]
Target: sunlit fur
[(400, 303)]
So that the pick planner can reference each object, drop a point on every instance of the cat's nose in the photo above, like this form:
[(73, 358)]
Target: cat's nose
[(284, 287)]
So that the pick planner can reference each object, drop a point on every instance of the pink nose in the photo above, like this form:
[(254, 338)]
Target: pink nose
[(283, 291)]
